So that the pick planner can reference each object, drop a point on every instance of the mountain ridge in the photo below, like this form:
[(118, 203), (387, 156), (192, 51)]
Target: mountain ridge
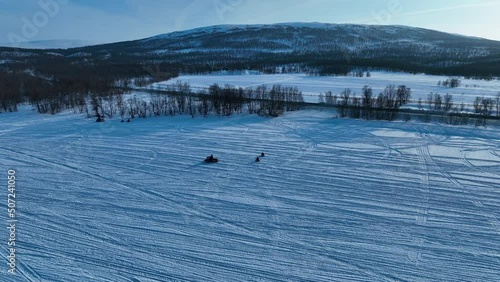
[(320, 48), (317, 25)]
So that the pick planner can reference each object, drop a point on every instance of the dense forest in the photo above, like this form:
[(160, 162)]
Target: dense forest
[(53, 84)]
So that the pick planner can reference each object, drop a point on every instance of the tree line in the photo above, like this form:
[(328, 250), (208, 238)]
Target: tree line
[(180, 99), (387, 106), (383, 106)]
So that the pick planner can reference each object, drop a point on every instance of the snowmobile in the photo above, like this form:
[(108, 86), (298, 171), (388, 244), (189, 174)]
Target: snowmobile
[(211, 159)]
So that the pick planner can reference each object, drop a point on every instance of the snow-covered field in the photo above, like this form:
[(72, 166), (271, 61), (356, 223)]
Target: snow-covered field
[(311, 86), (333, 200)]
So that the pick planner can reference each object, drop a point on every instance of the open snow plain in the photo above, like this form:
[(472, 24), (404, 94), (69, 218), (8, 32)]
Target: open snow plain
[(422, 85), (333, 200)]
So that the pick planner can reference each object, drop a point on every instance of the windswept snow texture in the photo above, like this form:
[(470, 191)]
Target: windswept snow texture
[(422, 85), (332, 200)]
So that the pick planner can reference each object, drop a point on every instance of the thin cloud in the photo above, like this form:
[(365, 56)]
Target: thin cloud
[(451, 8)]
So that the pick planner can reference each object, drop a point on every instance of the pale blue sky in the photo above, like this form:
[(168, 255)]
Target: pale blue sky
[(119, 20)]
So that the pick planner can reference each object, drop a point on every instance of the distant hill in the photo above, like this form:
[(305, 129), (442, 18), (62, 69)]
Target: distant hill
[(49, 44)]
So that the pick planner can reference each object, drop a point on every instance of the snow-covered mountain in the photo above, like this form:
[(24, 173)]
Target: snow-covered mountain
[(313, 37), (330, 48), (317, 44)]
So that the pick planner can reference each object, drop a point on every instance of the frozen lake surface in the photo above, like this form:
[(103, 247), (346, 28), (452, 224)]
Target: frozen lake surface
[(333, 200)]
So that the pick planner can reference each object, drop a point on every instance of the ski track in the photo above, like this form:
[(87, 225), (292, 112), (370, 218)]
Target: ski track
[(332, 200)]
